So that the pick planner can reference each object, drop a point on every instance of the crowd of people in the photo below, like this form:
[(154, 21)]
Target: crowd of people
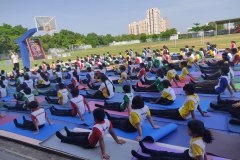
[(153, 71)]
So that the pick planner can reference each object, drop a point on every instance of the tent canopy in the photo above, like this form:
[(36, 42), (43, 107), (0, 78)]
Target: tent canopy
[(228, 21)]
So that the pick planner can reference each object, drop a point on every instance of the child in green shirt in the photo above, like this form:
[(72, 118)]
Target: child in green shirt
[(117, 106)]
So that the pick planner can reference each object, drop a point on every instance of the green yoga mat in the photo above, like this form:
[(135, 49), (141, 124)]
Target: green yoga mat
[(237, 85), (236, 80)]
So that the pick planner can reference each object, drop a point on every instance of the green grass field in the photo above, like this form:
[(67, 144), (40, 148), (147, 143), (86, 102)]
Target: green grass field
[(221, 41)]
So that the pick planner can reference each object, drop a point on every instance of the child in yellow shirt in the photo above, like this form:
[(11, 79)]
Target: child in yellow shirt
[(168, 95), (200, 136), (191, 104), (133, 123), (184, 71)]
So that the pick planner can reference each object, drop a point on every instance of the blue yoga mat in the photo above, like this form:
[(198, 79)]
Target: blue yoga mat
[(149, 134), (177, 104), (226, 94), (233, 128), (216, 121), (7, 98), (89, 120), (45, 132)]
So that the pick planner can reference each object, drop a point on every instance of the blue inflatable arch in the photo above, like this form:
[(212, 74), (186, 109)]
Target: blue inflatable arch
[(24, 48)]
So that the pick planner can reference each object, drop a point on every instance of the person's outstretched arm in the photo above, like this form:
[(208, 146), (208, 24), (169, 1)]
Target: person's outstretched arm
[(103, 149), (201, 111), (36, 126), (114, 136), (151, 122), (139, 129)]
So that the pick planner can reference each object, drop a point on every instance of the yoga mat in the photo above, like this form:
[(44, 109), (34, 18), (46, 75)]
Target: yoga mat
[(179, 101), (237, 73), (224, 145), (7, 119), (237, 85), (92, 107), (45, 132), (88, 118), (8, 98), (225, 94), (236, 79), (157, 147), (116, 151), (233, 128), (216, 121), (149, 134)]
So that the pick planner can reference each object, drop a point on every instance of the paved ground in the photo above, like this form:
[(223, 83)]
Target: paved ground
[(14, 151)]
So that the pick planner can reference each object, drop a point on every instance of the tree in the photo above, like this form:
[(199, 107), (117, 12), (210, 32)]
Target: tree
[(143, 37), (168, 33), (92, 39)]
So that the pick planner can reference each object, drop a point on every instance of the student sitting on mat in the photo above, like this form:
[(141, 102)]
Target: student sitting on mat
[(200, 136), (172, 74), (78, 103), (18, 79), (38, 119), (22, 103), (5, 81), (43, 81), (184, 71), (106, 89), (76, 81), (215, 87), (156, 86), (133, 123), (123, 76), (62, 94), (141, 74), (58, 73), (3, 90), (90, 140), (29, 82), (228, 105), (168, 95), (52, 92), (90, 79), (118, 106), (191, 104)]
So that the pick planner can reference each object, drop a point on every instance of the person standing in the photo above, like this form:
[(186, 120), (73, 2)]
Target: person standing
[(15, 60)]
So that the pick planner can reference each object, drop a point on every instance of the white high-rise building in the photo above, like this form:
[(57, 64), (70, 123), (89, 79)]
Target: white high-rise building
[(152, 24)]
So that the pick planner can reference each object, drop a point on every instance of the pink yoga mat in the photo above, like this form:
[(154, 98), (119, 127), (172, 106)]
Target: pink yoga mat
[(7, 119), (160, 148), (180, 84), (92, 107), (40, 98)]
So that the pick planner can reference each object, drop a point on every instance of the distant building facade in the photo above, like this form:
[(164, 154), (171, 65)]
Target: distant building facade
[(152, 24)]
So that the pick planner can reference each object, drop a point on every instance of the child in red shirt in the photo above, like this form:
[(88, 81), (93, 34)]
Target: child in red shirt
[(94, 138)]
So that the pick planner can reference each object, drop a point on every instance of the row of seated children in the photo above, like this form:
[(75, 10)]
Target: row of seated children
[(199, 135)]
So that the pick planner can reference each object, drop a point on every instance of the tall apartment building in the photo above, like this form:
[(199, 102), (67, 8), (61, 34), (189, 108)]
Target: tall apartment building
[(152, 24)]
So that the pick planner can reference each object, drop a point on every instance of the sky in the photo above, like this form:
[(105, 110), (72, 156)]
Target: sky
[(113, 16)]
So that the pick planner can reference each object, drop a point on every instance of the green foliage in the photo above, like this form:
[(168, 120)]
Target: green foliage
[(7, 36), (168, 33), (210, 26), (143, 37), (66, 38)]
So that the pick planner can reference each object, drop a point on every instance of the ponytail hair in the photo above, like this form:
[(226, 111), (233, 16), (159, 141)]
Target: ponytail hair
[(197, 129), (207, 136)]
